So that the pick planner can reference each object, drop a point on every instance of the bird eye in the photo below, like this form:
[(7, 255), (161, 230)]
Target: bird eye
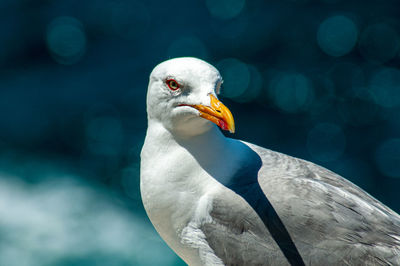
[(172, 84)]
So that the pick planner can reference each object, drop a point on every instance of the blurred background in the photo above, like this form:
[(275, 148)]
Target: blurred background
[(315, 79)]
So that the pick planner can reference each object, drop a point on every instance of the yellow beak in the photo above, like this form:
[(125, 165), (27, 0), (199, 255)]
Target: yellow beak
[(217, 113)]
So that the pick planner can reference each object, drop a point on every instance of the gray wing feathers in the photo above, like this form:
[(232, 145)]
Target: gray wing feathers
[(329, 218), (238, 236)]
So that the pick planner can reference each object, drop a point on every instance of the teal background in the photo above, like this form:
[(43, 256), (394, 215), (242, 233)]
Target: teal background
[(316, 79)]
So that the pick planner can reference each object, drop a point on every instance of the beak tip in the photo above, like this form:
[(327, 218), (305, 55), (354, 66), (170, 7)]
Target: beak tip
[(217, 113)]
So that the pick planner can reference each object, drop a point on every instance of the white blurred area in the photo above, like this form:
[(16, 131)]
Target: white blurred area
[(51, 217)]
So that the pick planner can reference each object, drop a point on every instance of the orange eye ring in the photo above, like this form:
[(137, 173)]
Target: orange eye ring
[(172, 84)]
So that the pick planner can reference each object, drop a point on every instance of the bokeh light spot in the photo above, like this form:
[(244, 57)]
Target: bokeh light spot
[(337, 35), (379, 42), (291, 92), (66, 40), (254, 88), (187, 46), (236, 75), (388, 157), (225, 9), (326, 142), (385, 87)]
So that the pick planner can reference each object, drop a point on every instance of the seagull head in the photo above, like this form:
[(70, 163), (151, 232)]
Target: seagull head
[(182, 96)]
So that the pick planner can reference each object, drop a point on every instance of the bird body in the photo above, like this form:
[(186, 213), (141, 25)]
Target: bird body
[(221, 201)]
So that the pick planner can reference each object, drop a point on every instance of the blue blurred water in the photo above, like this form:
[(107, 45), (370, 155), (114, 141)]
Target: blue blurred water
[(50, 215), (317, 79)]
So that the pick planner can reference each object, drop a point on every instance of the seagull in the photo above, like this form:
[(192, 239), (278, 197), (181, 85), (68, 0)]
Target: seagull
[(221, 201)]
